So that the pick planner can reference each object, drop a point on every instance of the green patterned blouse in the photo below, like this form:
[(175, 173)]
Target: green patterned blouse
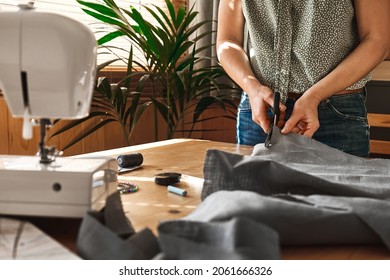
[(292, 44)]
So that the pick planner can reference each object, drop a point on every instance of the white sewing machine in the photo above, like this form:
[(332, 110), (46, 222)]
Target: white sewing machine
[(47, 71)]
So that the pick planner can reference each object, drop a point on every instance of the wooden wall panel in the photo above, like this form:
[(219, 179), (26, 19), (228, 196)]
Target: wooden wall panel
[(220, 128), (382, 72), (379, 120), (110, 136), (4, 143), (95, 141), (17, 145), (379, 147), (113, 136), (64, 138)]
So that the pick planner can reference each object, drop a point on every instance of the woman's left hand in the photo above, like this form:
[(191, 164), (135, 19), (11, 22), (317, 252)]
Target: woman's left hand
[(304, 117)]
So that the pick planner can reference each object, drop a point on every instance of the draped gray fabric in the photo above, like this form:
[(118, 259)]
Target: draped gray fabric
[(303, 220), (297, 192), (109, 235), (298, 165), (306, 191), (236, 238)]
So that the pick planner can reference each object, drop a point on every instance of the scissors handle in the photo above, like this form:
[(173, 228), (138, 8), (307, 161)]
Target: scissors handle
[(276, 107), (275, 118)]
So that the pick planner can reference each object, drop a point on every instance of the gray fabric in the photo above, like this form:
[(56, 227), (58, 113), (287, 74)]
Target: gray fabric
[(115, 219), (297, 192), (308, 192), (237, 238), (312, 157), (298, 165), (316, 219), (108, 235)]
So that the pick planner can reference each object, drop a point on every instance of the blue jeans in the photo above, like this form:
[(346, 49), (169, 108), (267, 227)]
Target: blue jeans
[(343, 123)]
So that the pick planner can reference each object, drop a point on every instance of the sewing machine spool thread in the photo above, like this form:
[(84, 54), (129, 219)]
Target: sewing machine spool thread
[(130, 160)]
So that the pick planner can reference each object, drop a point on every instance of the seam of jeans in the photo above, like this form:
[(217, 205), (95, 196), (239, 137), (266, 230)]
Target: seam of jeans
[(342, 115)]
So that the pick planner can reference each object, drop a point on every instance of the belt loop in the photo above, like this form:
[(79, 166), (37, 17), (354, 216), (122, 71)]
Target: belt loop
[(324, 103)]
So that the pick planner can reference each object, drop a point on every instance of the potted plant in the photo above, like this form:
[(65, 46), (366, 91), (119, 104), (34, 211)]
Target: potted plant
[(171, 58)]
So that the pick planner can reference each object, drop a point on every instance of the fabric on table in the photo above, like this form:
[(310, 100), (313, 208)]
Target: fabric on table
[(109, 235), (115, 219), (237, 238), (297, 192), (299, 220), (343, 123), (306, 191), (298, 165)]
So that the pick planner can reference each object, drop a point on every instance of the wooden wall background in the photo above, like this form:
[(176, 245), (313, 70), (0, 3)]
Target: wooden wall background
[(108, 137)]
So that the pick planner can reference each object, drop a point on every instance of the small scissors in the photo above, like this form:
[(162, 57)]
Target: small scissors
[(275, 119)]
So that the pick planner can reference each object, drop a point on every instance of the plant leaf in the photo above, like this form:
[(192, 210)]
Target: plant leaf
[(110, 36), (99, 8), (104, 18)]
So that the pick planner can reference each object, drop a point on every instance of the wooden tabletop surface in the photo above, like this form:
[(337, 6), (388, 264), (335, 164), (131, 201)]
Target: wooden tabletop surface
[(153, 203)]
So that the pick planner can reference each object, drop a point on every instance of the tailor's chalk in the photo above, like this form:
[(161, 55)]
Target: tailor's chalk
[(178, 191)]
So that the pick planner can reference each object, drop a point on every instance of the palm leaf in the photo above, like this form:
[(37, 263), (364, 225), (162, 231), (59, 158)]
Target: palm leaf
[(99, 8), (171, 10), (78, 122), (110, 36), (104, 18), (165, 18)]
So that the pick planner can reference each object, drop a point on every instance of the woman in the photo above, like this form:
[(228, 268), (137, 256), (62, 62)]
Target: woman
[(317, 53)]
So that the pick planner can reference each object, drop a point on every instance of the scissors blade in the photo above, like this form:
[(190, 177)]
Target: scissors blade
[(275, 119)]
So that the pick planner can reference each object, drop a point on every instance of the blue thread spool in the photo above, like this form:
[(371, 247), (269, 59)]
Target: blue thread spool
[(178, 191)]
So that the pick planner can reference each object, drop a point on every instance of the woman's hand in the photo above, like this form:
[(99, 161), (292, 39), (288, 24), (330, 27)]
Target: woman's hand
[(304, 117), (261, 100)]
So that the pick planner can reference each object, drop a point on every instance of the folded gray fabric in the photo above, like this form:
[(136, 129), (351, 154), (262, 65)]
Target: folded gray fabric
[(114, 217), (299, 165), (312, 157), (109, 235), (237, 238), (315, 219)]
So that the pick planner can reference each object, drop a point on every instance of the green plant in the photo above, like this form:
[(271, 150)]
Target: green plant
[(111, 102), (180, 87)]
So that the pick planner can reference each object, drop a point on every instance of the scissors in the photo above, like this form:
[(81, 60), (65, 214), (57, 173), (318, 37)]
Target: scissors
[(275, 119)]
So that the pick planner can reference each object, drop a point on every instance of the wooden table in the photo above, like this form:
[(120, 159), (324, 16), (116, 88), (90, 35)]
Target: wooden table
[(153, 203)]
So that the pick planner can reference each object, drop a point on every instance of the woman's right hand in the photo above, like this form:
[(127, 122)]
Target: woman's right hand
[(261, 100)]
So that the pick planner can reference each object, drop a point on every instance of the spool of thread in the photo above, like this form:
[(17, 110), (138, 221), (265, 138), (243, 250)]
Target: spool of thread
[(130, 160), (167, 178)]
